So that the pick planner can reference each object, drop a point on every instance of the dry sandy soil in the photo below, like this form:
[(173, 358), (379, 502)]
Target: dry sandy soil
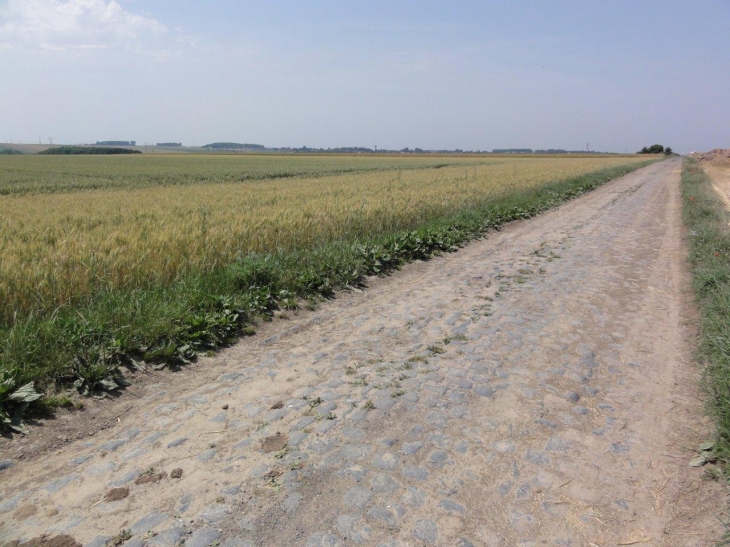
[(535, 388), (719, 171)]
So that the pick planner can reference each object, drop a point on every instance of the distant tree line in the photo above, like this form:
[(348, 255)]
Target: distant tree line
[(234, 146), (9, 151), (656, 149), (169, 144), (231, 146), (81, 150), (547, 151), (116, 143)]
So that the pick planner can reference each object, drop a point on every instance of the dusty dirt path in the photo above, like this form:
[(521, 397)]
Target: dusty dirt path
[(533, 389)]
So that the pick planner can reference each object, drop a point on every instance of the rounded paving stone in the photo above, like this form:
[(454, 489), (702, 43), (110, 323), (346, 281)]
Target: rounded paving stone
[(355, 452), (258, 471), (411, 448), (177, 442), (384, 483), (61, 483), (231, 490), (537, 457), (291, 503), (357, 497), (505, 447), (353, 434), (383, 515), (452, 507), (415, 497), (384, 403), (237, 542), (98, 541), (581, 410), (215, 513), (323, 539), (413, 472), (354, 471), (557, 445), (427, 531), (166, 538), (349, 526), (202, 537), (207, 455), (485, 391), (112, 445), (438, 458), (149, 523), (128, 477), (386, 460), (437, 419), (72, 463)]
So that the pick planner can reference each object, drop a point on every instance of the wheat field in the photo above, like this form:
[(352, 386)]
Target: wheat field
[(72, 226)]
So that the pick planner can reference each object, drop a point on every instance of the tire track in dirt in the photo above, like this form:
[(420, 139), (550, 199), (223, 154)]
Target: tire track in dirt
[(532, 389)]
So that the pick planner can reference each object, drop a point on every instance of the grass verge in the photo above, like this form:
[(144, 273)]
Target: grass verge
[(709, 254), (85, 346)]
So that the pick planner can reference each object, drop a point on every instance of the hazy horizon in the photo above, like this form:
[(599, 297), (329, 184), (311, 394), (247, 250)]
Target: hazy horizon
[(467, 75)]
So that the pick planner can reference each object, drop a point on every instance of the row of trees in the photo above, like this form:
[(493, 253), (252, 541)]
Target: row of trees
[(85, 150), (656, 149), (234, 146)]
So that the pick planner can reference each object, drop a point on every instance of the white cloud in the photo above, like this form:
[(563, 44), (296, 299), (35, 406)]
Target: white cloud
[(59, 25)]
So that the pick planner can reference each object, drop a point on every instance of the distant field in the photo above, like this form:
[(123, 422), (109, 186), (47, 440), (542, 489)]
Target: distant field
[(111, 260), (26, 174), (150, 220)]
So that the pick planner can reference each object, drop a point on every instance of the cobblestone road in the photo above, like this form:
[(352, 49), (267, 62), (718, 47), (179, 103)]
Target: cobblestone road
[(522, 391)]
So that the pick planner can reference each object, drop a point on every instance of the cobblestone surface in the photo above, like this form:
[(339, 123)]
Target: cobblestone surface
[(517, 392)]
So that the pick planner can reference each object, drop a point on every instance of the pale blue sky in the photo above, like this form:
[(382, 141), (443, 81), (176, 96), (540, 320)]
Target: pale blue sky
[(470, 75)]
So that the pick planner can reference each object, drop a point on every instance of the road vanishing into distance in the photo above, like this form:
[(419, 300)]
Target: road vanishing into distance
[(534, 388)]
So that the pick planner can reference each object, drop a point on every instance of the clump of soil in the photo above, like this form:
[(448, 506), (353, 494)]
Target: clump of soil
[(271, 475), (25, 511), (274, 443), (277, 405), (176, 473), (150, 478), (45, 541), (116, 494)]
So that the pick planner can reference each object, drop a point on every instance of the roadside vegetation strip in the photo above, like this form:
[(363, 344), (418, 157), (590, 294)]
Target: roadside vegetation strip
[(83, 345), (709, 252)]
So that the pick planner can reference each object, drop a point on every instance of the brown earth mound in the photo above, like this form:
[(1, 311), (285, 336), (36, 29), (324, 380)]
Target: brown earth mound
[(718, 154)]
